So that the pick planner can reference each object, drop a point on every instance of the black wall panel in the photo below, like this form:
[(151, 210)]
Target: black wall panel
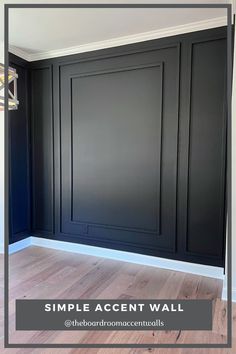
[(206, 148), (129, 147), (202, 148), (42, 150), (19, 156), (119, 124)]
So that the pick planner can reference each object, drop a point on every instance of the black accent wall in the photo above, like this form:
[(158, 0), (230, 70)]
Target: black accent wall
[(127, 148)]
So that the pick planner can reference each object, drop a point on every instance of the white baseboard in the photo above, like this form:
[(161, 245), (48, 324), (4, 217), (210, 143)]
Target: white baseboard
[(186, 267), (224, 294), (193, 268), (158, 262), (19, 245), (224, 291), (16, 246)]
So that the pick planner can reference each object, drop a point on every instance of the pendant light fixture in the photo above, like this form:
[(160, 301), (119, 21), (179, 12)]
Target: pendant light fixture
[(12, 88)]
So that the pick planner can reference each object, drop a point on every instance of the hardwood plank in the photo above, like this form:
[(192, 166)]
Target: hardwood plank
[(58, 274)]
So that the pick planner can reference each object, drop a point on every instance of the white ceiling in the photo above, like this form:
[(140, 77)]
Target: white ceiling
[(38, 31)]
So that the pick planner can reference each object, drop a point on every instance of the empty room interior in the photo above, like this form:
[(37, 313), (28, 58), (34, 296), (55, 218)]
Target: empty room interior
[(118, 163)]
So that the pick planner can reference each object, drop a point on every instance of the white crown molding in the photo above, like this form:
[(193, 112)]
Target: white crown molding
[(115, 42), (20, 53)]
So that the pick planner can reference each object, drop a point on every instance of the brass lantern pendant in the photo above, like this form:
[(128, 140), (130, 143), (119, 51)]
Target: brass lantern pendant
[(12, 88)]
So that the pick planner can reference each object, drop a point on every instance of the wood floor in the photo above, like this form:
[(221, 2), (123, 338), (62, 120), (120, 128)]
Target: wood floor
[(43, 273)]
